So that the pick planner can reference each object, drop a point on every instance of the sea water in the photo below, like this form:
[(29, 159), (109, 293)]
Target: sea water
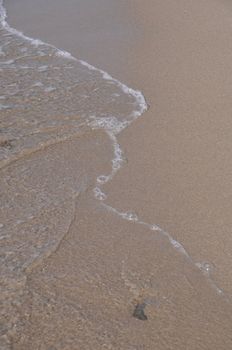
[(48, 97)]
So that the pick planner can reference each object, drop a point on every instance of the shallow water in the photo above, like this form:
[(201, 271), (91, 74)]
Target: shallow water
[(48, 95), (49, 98)]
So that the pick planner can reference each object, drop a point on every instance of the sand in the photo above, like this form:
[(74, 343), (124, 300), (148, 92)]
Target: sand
[(178, 175)]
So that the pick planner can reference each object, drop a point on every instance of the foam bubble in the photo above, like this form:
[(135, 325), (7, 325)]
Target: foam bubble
[(130, 216), (110, 124), (205, 266), (102, 179), (140, 100), (99, 194), (178, 246), (154, 227), (65, 54)]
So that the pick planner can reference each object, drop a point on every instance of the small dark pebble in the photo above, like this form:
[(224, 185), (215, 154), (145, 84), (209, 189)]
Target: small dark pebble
[(139, 312)]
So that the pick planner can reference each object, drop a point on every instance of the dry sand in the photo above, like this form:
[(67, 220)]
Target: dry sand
[(178, 175)]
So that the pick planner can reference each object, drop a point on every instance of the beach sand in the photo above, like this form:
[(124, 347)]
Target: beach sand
[(178, 176)]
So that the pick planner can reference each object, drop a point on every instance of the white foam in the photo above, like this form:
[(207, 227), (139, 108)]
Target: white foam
[(64, 54), (205, 266), (130, 216), (141, 103), (102, 179), (99, 194), (135, 93), (178, 246), (111, 124), (154, 227)]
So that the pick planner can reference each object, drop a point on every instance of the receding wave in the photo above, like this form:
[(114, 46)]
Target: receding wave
[(47, 96)]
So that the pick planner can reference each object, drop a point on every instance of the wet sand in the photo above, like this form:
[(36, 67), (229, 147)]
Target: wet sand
[(178, 175)]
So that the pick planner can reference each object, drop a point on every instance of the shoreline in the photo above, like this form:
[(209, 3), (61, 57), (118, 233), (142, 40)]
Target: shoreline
[(161, 144)]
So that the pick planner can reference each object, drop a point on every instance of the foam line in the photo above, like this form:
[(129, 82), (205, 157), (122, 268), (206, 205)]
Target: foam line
[(141, 103), (112, 127)]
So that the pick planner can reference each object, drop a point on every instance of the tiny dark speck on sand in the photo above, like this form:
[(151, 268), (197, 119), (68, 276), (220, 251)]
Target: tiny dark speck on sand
[(139, 312)]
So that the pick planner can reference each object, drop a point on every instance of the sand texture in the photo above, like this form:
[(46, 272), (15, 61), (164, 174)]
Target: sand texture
[(114, 283)]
